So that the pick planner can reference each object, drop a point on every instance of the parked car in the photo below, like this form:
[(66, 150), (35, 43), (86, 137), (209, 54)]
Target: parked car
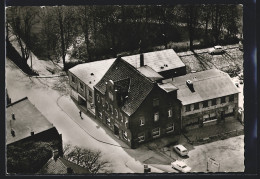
[(180, 149), (216, 50), (181, 166)]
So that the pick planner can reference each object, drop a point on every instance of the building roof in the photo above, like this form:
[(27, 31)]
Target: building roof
[(90, 73), (139, 87), (27, 119), (207, 84), (168, 87), (149, 73), (60, 166), (159, 60)]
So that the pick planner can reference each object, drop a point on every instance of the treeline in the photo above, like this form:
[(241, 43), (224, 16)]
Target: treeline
[(98, 32)]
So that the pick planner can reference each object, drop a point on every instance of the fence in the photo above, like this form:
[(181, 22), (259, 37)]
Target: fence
[(221, 136)]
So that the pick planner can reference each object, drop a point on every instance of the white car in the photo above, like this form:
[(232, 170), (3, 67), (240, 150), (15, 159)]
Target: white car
[(180, 149), (216, 50), (181, 166)]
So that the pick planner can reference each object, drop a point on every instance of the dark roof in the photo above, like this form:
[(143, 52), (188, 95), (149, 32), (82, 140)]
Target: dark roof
[(60, 166), (159, 61), (27, 119), (140, 86), (207, 84), (149, 73)]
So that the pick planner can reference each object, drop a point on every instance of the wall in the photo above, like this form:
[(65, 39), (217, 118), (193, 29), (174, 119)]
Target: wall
[(147, 110), (133, 128), (197, 115), (174, 72)]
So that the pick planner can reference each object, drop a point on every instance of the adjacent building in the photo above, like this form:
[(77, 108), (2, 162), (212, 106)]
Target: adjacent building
[(57, 165), (165, 62), (207, 97), (24, 122), (131, 103), (83, 78)]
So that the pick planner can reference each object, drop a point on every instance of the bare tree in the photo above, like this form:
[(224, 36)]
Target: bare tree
[(89, 159), (22, 20)]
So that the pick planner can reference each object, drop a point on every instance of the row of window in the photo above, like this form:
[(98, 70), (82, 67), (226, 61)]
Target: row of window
[(206, 103), (156, 132), (155, 117), (81, 86)]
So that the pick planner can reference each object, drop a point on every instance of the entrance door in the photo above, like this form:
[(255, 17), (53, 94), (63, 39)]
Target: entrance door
[(82, 101), (116, 130)]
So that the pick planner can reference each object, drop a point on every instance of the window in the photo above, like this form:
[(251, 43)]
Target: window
[(121, 116), (156, 116), (231, 98), (141, 137), (103, 102), (170, 128), (156, 132), (126, 123), (81, 86), (214, 102), (124, 135), (107, 106), (187, 108), (90, 93), (98, 98), (196, 106), (156, 102), (111, 108), (116, 113), (100, 115), (223, 99), (142, 120), (108, 121), (73, 79), (205, 104), (170, 112), (110, 94)]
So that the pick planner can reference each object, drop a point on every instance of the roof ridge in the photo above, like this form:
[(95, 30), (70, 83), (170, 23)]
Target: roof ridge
[(199, 80)]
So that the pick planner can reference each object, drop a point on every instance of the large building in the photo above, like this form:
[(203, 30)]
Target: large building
[(131, 103), (207, 97), (84, 77), (142, 97), (24, 122)]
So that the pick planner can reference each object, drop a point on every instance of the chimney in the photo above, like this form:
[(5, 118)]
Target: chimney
[(190, 85), (13, 116), (141, 60), (69, 170), (55, 154), (32, 133)]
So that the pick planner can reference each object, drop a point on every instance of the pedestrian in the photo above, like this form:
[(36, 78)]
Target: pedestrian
[(80, 114)]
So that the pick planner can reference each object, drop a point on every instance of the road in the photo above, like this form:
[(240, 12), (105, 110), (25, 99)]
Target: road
[(49, 96)]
